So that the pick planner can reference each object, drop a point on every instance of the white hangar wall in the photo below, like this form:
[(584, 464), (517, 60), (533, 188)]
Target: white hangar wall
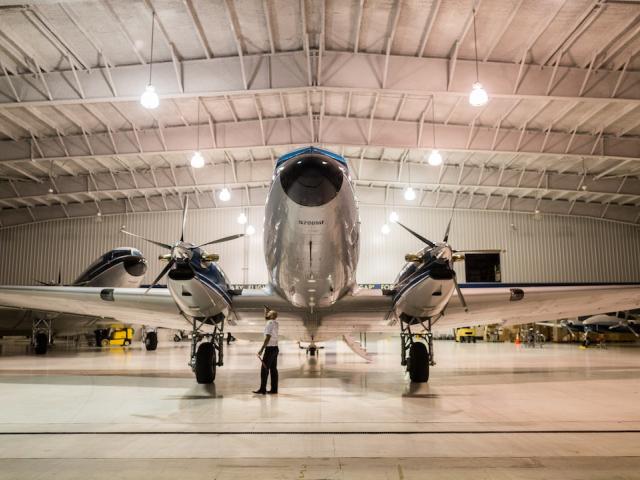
[(552, 249)]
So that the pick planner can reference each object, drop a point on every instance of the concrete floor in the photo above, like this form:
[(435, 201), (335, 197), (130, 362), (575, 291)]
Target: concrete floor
[(489, 411)]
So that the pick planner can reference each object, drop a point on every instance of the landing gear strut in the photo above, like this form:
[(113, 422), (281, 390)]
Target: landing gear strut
[(209, 354), (419, 346), (41, 334)]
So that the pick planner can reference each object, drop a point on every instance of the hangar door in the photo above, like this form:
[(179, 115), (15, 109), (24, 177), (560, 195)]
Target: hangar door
[(482, 267)]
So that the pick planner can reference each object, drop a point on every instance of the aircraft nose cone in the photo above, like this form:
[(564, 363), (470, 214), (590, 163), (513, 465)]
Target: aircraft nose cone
[(136, 266), (311, 180)]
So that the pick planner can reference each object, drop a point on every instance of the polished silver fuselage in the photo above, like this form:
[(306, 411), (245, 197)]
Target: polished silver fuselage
[(311, 252)]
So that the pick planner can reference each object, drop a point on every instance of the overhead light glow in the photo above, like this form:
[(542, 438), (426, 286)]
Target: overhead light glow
[(149, 99), (224, 195), (409, 194), (385, 229), (242, 219), (435, 158), (250, 230), (478, 96), (50, 190), (197, 160), (394, 217)]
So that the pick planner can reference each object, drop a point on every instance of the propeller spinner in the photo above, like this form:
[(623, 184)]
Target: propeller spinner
[(181, 251)]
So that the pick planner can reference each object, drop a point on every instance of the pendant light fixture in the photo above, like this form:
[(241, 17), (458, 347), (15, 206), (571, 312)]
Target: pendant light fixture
[(197, 160), (225, 193), (435, 158), (149, 98), (409, 193), (478, 96)]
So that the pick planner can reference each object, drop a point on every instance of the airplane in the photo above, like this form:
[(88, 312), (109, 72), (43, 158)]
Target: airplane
[(616, 322), (311, 248), (121, 267)]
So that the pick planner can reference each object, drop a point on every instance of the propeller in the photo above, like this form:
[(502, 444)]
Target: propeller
[(52, 284), (440, 252), (181, 250), (417, 235)]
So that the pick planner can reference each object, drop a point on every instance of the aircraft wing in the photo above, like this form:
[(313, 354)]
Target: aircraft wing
[(540, 303), (368, 311), (126, 305)]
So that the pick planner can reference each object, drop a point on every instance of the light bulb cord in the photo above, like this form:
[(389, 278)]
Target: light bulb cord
[(475, 44), (433, 119), (153, 23), (198, 127)]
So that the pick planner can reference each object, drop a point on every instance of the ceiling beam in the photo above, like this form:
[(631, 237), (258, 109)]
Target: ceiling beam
[(429, 76)]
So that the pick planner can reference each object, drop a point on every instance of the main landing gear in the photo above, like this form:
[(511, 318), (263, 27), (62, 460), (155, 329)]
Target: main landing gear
[(209, 354), (41, 334), (419, 347), (150, 338)]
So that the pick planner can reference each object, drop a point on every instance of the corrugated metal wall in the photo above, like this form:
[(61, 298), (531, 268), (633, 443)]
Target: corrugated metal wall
[(552, 249)]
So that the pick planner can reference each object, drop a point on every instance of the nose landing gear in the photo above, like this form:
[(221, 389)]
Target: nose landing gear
[(419, 346), (209, 354)]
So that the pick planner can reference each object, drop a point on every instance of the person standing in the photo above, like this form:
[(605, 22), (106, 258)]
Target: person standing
[(270, 349)]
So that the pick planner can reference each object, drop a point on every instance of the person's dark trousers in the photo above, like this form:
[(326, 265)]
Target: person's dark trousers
[(269, 366)]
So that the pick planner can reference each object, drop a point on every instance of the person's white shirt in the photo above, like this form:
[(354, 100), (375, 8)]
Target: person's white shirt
[(271, 328)]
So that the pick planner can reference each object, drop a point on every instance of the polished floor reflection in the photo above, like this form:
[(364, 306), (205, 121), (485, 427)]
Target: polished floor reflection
[(514, 412)]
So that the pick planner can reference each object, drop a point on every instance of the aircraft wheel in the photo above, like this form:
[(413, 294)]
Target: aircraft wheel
[(41, 343), (151, 341), (206, 363), (418, 364), (105, 342), (177, 338)]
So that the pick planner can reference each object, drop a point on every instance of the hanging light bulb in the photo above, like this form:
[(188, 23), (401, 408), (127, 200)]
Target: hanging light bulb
[(197, 160), (224, 195), (409, 194), (50, 190), (435, 158), (394, 217), (478, 96), (149, 98), (242, 219), (250, 230), (385, 229)]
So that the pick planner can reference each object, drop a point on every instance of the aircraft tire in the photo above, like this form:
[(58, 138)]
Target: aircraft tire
[(205, 363), (41, 343), (151, 341), (418, 364)]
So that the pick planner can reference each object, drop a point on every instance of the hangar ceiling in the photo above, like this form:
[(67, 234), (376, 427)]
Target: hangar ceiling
[(251, 79)]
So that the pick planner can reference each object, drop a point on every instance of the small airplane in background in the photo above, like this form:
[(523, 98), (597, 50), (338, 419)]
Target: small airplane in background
[(311, 248), (616, 322), (121, 267)]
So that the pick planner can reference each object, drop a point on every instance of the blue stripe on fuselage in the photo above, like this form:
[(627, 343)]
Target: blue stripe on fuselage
[(214, 286), (309, 150)]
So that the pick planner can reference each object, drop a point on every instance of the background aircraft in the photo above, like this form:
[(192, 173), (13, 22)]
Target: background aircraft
[(311, 246), (121, 267)]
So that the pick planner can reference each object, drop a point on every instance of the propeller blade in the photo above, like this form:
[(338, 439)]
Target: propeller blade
[(222, 240), (460, 296), (160, 244), (162, 274), (418, 236), (184, 217), (632, 330), (446, 232)]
